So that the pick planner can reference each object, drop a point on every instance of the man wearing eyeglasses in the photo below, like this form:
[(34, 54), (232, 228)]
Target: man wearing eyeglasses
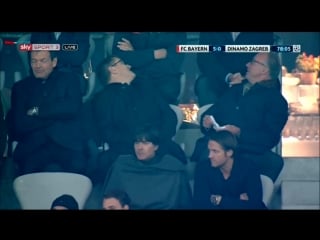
[(255, 111), (219, 69)]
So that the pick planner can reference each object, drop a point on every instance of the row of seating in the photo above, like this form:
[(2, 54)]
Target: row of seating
[(38, 190)]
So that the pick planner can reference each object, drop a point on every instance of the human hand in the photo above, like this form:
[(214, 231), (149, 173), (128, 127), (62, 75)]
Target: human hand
[(125, 45), (160, 53), (235, 78), (232, 128), (207, 121), (215, 199), (33, 111), (244, 196)]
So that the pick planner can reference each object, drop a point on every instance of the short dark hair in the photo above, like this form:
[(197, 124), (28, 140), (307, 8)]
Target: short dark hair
[(103, 74), (42, 38), (147, 133), (53, 54), (66, 201), (226, 139), (118, 194)]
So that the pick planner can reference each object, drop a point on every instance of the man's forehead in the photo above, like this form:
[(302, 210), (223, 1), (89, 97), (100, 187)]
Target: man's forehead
[(261, 56), (41, 53)]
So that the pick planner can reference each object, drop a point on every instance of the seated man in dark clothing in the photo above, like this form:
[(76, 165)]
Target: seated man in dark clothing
[(152, 180), (224, 181), (124, 105), (45, 118), (255, 111)]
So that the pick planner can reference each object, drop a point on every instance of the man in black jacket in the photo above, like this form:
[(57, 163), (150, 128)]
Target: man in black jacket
[(45, 117)]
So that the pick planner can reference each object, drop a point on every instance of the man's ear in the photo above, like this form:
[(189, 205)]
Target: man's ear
[(230, 153), (55, 61), (156, 147), (112, 69)]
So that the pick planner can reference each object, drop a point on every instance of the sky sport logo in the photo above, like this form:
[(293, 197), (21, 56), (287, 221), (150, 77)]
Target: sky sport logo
[(25, 47), (38, 47)]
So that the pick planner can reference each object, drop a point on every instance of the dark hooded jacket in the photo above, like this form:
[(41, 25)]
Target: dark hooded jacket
[(160, 183)]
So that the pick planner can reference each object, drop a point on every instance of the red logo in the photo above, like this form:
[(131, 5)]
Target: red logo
[(25, 47)]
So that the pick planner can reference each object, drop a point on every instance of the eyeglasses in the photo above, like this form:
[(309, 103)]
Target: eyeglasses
[(260, 63), (114, 64)]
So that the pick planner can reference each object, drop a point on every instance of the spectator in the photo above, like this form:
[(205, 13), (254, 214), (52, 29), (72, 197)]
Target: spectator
[(65, 202), (116, 200), (224, 181), (152, 180), (46, 121)]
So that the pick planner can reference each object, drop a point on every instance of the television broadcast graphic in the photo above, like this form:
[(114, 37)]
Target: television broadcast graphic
[(237, 48)]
